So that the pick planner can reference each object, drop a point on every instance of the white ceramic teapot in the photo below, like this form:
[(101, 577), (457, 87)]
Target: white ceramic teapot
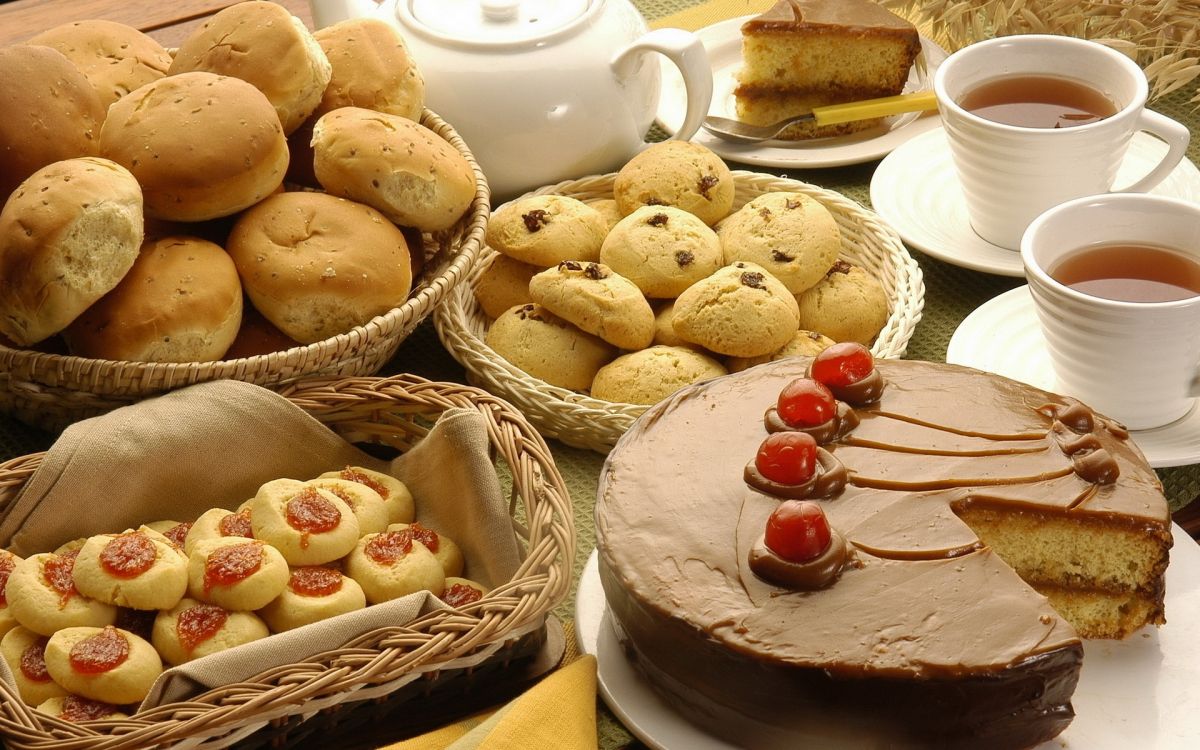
[(541, 90)]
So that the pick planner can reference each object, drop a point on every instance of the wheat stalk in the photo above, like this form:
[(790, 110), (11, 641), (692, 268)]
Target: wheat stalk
[(1163, 36)]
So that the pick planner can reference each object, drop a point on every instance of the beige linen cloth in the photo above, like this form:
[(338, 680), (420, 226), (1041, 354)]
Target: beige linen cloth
[(213, 445)]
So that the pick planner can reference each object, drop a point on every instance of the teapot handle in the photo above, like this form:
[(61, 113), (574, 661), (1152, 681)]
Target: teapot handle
[(687, 52)]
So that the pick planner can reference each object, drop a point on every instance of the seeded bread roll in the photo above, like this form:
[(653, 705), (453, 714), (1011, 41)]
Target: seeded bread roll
[(372, 69), (180, 302), (50, 112), (316, 265), (68, 235), (200, 145), (264, 45), (115, 58), (400, 167)]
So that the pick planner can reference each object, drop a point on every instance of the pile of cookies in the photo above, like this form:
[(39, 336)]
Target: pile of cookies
[(145, 213), (631, 298), (87, 628)]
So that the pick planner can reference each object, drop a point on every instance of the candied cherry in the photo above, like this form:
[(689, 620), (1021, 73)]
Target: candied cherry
[(806, 403), (798, 531), (842, 364), (787, 457)]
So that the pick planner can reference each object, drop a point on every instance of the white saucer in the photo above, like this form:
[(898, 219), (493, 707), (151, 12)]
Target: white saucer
[(1003, 336), (916, 190), (723, 42), (1141, 692)]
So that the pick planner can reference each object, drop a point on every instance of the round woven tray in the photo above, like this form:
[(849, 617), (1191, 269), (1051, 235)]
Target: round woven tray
[(52, 390), (395, 411), (585, 422)]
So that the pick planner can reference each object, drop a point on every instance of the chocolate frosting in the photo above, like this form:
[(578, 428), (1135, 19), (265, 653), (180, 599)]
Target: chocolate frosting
[(926, 603)]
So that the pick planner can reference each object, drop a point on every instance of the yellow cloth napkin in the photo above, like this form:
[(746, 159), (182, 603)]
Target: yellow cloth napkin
[(705, 14), (559, 712)]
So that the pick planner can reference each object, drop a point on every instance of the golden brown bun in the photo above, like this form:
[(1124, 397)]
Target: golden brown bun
[(181, 302), (264, 45), (115, 58), (257, 336), (300, 161), (317, 266), (372, 69), (400, 167), (67, 236), (201, 145), (48, 112)]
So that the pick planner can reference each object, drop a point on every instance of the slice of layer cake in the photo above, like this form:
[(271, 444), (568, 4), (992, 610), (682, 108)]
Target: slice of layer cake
[(802, 54)]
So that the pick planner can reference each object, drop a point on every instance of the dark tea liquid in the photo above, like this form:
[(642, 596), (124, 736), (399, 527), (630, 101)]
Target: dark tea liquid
[(1130, 273), (1038, 102)]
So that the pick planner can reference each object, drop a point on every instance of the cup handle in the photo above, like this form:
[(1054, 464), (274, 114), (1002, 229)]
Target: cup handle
[(687, 52), (1176, 137)]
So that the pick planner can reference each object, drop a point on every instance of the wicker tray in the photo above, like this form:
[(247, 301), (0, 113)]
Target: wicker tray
[(585, 422), (52, 390), (403, 663)]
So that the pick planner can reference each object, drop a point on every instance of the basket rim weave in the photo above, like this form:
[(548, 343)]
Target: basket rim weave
[(585, 422), (72, 384), (379, 661)]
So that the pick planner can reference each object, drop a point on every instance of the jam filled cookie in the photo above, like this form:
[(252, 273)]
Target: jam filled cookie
[(543, 230), (547, 347), (676, 173), (395, 494), (238, 574), (368, 507), (25, 652), (596, 300), (136, 569), (791, 235), (741, 311), (393, 564), (216, 523), (462, 591), (650, 375), (43, 598), (105, 664), (447, 552), (8, 561), (307, 524), (192, 629), (313, 593), (77, 708), (661, 249)]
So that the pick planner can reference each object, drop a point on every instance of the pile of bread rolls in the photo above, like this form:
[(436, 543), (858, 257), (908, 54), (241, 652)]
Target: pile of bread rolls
[(89, 627), (663, 285), (146, 215)]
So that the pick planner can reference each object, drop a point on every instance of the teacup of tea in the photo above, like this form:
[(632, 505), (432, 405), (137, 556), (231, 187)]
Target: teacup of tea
[(1034, 120), (1115, 280)]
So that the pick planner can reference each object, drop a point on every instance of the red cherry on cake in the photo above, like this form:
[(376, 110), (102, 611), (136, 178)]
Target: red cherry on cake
[(842, 364), (806, 403), (787, 457), (797, 531)]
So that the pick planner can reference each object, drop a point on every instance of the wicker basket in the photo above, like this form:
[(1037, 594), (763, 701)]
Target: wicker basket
[(52, 390), (403, 662), (585, 422)]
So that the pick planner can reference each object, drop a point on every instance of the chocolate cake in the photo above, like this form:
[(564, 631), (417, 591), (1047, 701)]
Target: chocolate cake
[(931, 635)]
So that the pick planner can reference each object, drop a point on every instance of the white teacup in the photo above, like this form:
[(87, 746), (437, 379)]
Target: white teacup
[(1010, 174), (1133, 361)]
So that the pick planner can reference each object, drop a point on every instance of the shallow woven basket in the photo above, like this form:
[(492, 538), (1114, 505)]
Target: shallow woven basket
[(380, 665), (585, 422), (52, 390)]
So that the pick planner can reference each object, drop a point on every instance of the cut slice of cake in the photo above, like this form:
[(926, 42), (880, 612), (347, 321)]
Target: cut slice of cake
[(802, 54)]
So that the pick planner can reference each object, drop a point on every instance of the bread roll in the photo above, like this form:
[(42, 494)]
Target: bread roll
[(50, 112), (372, 69), (181, 302), (264, 45), (67, 236), (115, 58), (317, 266), (201, 145), (400, 167)]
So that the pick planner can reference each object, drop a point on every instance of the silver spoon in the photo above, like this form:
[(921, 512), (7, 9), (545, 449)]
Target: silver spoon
[(740, 132)]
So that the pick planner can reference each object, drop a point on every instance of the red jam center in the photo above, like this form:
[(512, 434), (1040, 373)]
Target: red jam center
[(387, 547), (315, 581), (309, 513), (798, 531), (806, 403), (128, 555), (33, 662), (7, 563), (236, 524), (460, 594), (101, 652), (228, 565), (787, 457), (177, 533), (425, 536), (350, 475), (84, 709), (197, 624), (842, 364), (58, 573)]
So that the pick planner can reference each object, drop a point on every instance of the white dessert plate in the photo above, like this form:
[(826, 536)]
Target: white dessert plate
[(1141, 692), (723, 42), (916, 190), (1003, 336)]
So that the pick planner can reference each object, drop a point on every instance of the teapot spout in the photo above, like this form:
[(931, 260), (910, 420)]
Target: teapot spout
[(328, 12)]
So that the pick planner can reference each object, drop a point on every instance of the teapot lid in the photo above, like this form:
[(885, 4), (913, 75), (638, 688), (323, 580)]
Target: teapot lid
[(493, 22)]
